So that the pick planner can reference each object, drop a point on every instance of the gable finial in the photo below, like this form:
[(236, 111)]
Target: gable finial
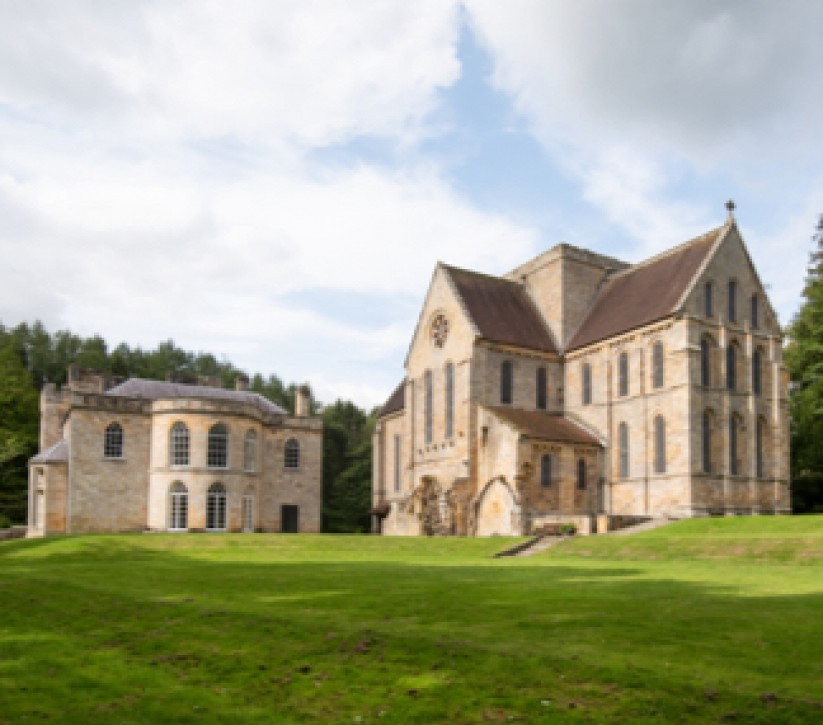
[(730, 207)]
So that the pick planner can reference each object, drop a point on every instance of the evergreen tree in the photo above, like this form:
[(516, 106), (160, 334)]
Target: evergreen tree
[(804, 359)]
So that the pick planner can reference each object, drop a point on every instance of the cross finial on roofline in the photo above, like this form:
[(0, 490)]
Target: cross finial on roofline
[(730, 207)]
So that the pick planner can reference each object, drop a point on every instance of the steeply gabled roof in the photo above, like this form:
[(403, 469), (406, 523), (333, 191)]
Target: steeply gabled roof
[(158, 390), (545, 426), (396, 401), (501, 310), (58, 453), (645, 293)]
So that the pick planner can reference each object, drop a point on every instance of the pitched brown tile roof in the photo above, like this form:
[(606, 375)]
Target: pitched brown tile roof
[(156, 389), (58, 453), (545, 426), (644, 293), (396, 401), (501, 310)]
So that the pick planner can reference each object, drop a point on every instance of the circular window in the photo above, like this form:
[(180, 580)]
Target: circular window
[(440, 330)]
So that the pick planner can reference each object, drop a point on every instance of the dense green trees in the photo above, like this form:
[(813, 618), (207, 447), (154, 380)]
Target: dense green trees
[(30, 356), (804, 359)]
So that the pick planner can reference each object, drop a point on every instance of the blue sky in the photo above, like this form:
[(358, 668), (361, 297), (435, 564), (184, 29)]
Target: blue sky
[(275, 181)]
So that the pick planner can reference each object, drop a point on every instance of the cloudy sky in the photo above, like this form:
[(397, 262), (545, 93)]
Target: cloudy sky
[(275, 181)]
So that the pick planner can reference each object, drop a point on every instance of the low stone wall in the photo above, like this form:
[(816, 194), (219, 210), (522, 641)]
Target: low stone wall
[(15, 532)]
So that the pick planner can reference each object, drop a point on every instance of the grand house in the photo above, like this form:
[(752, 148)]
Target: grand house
[(578, 388), (169, 456)]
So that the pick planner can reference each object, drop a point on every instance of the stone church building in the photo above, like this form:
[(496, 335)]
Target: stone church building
[(170, 456), (581, 389)]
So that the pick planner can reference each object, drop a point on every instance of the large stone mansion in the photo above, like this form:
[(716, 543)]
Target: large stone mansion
[(578, 388), (140, 455)]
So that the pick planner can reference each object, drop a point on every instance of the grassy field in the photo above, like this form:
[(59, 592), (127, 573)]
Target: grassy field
[(704, 621)]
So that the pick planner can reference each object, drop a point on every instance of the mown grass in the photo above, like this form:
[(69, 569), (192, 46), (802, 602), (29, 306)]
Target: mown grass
[(704, 621)]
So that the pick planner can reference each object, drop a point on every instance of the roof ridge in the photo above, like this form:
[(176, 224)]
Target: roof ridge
[(498, 278)]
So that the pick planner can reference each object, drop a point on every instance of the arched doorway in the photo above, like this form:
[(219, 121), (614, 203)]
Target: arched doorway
[(497, 510)]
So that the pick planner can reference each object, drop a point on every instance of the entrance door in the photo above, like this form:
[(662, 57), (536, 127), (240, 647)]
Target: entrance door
[(289, 519)]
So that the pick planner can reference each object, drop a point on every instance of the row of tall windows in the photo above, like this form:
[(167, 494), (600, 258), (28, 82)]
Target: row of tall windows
[(731, 303), (507, 385), (547, 471), (733, 357), (428, 402), (217, 453), (734, 430), (216, 503), (659, 447), (658, 373)]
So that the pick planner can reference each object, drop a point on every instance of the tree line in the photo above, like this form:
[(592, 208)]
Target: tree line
[(31, 356)]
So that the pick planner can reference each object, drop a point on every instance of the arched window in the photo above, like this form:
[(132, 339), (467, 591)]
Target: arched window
[(545, 470), (623, 373), (734, 463), (178, 507), (250, 451), (757, 374), (759, 435), (581, 473), (541, 388), (705, 362), (449, 400), (658, 371), (659, 444), (707, 442), (291, 457), (731, 366), (216, 507), (586, 379), (732, 301), (623, 435), (427, 404), (179, 445), (397, 477), (708, 299), (506, 382), (247, 512), (755, 312), (113, 441), (218, 453)]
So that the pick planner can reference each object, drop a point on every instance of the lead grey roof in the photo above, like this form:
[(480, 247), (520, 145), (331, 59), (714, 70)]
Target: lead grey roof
[(159, 390), (58, 453)]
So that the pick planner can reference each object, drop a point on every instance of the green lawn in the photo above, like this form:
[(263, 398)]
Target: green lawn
[(712, 620)]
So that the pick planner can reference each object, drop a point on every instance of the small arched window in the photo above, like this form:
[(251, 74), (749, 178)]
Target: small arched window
[(705, 362), (218, 451), (545, 470), (586, 380), (659, 444), (658, 370), (427, 405), (708, 299), (449, 400), (734, 463), (581, 473), (179, 444), (623, 373), (623, 434), (506, 382), (216, 507), (731, 366), (759, 435), (113, 441), (540, 384), (707, 442), (178, 507), (291, 457), (755, 312), (757, 372), (732, 307), (250, 451)]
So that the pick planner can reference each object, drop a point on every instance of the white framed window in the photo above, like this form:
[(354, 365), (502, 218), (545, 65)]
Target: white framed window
[(179, 444), (291, 455), (178, 507), (218, 453), (250, 451), (216, 508), (113, 441), (247, 512)]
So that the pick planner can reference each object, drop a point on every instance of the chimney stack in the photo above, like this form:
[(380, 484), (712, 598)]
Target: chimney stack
[(302, 401), (241, 382)]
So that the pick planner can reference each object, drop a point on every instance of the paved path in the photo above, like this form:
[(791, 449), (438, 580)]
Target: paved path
[(645, 526), (546, 542)]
